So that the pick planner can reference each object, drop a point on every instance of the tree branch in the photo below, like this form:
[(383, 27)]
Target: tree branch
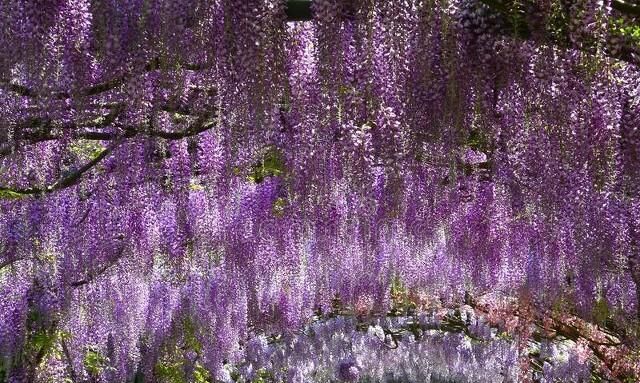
[(67, 354), (625, 7), (154, 64), (9, 262), (571, 328), (5, 150), (68, 180), (91, 276), (44, 128), (202, 124)]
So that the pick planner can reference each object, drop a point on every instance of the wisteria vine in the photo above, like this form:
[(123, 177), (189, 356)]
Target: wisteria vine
[(199, 190)]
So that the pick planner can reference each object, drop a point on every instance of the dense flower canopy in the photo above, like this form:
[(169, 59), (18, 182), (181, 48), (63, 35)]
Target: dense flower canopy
[(189, 187)]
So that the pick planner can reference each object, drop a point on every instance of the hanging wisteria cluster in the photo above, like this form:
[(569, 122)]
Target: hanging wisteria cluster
[(394, 191)]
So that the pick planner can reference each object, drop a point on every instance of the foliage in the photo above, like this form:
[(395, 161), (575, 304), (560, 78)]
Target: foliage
[(86, 150), (270, 165), (179, 351), (94, 362), (9, 194)]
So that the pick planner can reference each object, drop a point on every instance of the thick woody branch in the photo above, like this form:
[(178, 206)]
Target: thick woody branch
[(94, 90), (69, 180), (39, 130), (202, 124)]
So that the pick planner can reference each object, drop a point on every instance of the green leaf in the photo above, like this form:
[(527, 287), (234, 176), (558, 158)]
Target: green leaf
[(190, 338), (94, 362), (86, 149), (8, 194), (171, 372), (270, 165), (42, 340), (478, 140), (195, 186), (179, 118), (201, 374)]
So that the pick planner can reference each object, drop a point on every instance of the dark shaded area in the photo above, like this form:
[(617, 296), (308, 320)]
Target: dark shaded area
[(299, 10)]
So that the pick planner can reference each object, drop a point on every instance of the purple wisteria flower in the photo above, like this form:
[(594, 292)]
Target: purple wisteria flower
[(473, 157), (187, 186), (348, 370)]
